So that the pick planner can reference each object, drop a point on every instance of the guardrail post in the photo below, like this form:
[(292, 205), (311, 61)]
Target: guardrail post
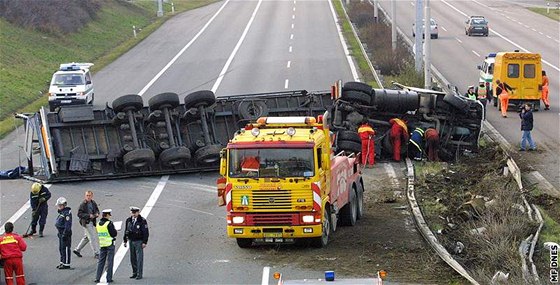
[(134, 31)]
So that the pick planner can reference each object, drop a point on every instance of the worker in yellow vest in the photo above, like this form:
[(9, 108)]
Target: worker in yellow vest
[(107, 235), (482, 95)]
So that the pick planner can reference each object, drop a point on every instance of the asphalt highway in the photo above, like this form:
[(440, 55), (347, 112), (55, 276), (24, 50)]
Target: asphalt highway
[(231, 47), (512, 27)]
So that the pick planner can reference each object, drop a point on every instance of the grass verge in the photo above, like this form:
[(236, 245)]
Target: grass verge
[(354, 45), (554, 12), (32, 56)]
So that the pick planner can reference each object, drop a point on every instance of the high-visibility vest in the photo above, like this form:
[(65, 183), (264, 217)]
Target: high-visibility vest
[(471, 96), (421, 133), (481, 92), (105, 239)]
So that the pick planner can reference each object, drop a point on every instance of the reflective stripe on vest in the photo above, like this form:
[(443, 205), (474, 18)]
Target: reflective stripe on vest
[(105, 238), (400, 123), (365, 129), (481, 93)]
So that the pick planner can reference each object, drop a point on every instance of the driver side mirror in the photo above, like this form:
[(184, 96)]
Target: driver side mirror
[(479, 67), (88, 82), (223, 162)]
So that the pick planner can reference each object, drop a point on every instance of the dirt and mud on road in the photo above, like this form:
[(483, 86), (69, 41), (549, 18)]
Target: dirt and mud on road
[(384, 239)]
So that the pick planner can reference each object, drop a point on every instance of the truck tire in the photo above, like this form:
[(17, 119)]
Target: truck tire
[(349, 146), (244, 242), (252, 110), (174, 156), (457, 102), (349, 213), (344, 135), (495, 99), (200, 98), (357, 86), (208, 154), (139, 158), (130, 102), (164, 100), (356, 97), (360, 199), (323, 240)]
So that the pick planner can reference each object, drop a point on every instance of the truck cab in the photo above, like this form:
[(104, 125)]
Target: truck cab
[(281, 183), (71, 84)]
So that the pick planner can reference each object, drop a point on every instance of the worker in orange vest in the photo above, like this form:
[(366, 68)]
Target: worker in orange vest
[(367, 135), (432, 144), (545, 91), (12, 247), (502, 90), (398, 133)]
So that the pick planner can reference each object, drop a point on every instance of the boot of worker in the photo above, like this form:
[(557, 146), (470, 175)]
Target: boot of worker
[(41, 229), (33, 230)]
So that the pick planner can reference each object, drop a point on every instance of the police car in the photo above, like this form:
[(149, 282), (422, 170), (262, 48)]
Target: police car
[(487, 71), (71, 85)]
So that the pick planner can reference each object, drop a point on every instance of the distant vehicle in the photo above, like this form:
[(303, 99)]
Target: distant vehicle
[(487, 71), (433, 29), (71, 85), (476, 25)]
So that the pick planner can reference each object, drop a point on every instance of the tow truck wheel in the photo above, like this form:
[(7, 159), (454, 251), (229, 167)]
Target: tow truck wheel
[(200, 98), (139, 158), (208, 154), (349, 213), (360, 200), (345, 135), (244, 242), (131, 102), (175, 156), (164, 100), (323, 240)]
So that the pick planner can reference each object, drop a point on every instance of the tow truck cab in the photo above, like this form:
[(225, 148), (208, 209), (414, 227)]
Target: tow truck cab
[(281, 183), (71, 84)]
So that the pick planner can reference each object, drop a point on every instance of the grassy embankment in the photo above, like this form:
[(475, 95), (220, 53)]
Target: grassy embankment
[(28, 58), (554, 12)]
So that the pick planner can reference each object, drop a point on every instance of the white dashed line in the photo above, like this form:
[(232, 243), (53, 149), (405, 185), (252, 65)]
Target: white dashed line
[(526, 26), (533, 29), (290, 49), (549, 37), (541, 33), (458, 40), (294, 9), (412, 4), (476, 53), (294, 1), (443, 28), (286, 84), (292, 26), (289, 64), (293, 16), (291, 36)]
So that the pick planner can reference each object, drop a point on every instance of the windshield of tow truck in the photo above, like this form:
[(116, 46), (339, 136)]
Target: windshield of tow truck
[(271, 162), (69, 79)]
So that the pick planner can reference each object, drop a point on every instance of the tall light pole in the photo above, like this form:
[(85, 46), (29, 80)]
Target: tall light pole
[(427, 48), (394, 24), (160, 8), (375, 12), (418, 36)]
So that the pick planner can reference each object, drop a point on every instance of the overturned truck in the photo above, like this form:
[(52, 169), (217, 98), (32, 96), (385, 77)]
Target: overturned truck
[(168, 136)]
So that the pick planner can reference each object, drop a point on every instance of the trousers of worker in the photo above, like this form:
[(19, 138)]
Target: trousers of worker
[(504, 102), (395, 137), (545, 96), (12, 265), (368, 151), (432, 144)]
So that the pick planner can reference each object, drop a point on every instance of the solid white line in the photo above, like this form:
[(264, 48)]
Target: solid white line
[(291, 36), (265, 276), (344, 46), (458, 40), (121, 252), (290, 49), (286, 84), (443, 28), (476, 53), (289, 64), (501, 36), (160, 73), (230, 59), (19, 212)]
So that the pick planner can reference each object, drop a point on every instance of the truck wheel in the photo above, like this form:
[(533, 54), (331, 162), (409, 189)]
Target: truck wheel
[(139, 158), (52, 108), (164, 100), (208, 154), (360, 200), (175, 156), (323, 240), (357, 97), (536, 106), (131, 102), (252, 110), (349, 213), (357, 86), (244, 242), (344, 135), (92, 97), (349, 146), (200, 98)]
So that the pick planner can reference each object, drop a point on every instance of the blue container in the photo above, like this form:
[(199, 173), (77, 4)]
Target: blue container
[(329, 275)]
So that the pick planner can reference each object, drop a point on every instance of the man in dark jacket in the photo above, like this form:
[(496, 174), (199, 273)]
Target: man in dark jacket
[(64, 226), (39, 209), (88, 213), (526, 116), (136, 230), (107, 235)]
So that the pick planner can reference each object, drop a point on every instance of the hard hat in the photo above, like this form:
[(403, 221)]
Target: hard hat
[(471, 86), (107, 211), (36, 187), (61, 201)]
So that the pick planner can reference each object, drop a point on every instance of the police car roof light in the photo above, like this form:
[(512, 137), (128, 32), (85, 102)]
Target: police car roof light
[(493, 54), (75, 66)]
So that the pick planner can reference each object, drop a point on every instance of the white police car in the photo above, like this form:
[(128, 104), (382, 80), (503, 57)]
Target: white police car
[(71, 85)]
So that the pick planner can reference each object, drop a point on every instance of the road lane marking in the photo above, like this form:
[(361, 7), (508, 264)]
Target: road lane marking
[(146, 210), (265, 275), (501, 36), (476, 53), (443, 28), (533, 29), (412, 4), (160, 73), (293, 17), (525, 26), (548, 36), (237, 46), (286, 83), (541, 33), (343, 42), (19, 213), (187, 208), (292, 26), (291, 36), (289, 64), (294, 9), (458, 40), (290, 49)]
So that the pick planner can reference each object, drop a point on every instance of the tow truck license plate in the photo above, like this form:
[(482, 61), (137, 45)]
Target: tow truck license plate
[(66, 101), (273, 235)]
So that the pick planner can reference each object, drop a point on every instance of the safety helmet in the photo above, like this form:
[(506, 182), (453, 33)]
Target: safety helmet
[(36, 187), (471, 87), (61, 201)]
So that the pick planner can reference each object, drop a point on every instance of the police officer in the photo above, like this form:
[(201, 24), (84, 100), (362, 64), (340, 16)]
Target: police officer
[(39, 209), (136, 230), (64, 227), (107, 235)]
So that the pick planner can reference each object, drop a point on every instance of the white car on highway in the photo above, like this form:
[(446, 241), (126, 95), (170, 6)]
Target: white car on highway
[(433, 29), (71, 85)]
